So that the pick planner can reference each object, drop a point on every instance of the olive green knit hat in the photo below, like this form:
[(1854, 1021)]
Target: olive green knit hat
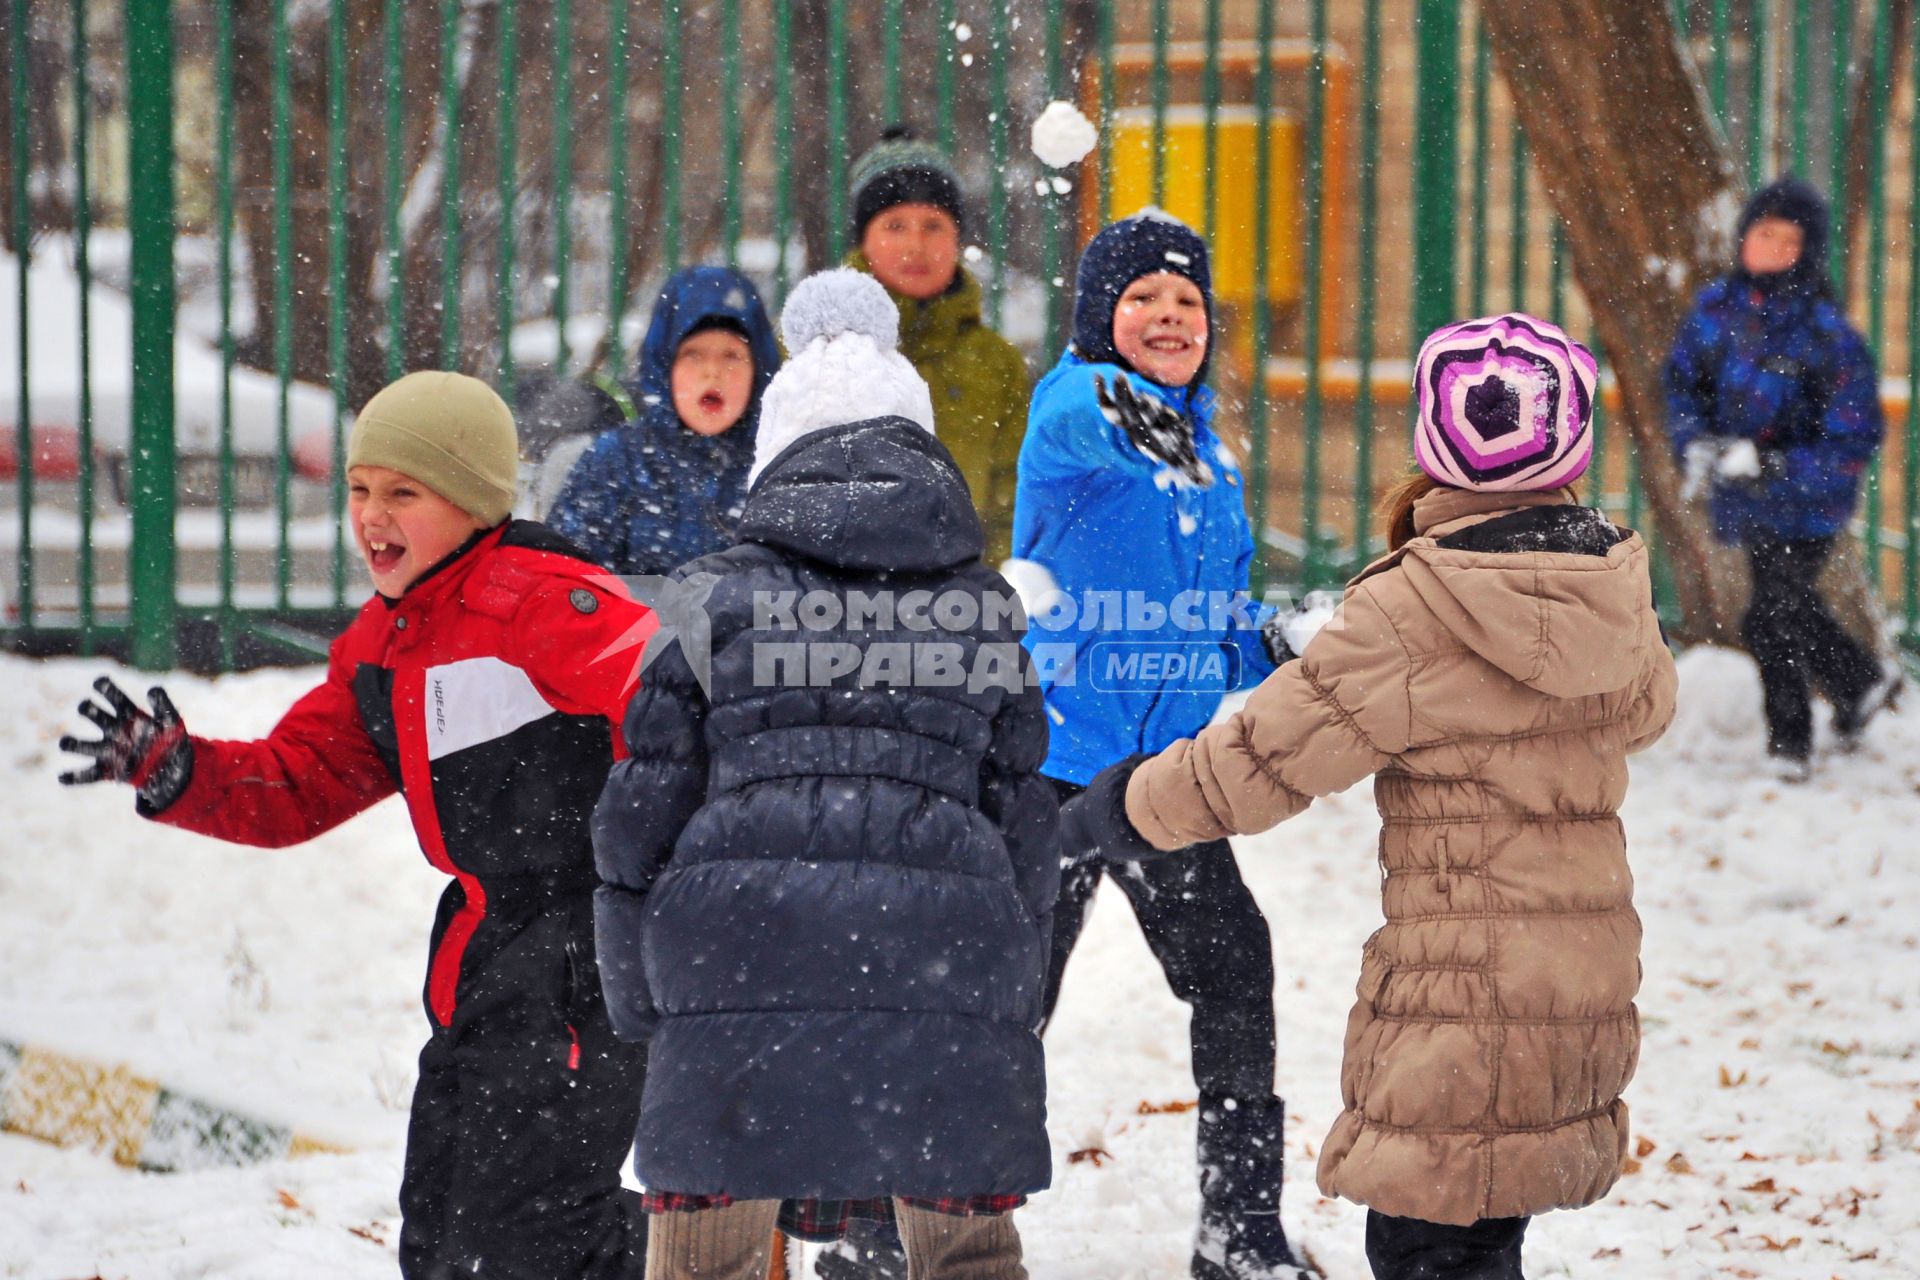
[(450, 432)]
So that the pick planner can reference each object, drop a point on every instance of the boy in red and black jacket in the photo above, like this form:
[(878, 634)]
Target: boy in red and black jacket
[(486, 682)]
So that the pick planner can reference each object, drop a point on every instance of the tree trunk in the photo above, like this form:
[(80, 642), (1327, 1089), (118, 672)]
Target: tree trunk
[(1626, 146)]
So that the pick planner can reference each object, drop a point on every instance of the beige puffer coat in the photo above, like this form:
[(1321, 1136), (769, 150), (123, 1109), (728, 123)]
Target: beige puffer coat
[(1496, 695)]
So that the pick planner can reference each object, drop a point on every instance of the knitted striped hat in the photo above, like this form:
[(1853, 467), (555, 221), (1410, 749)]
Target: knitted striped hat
[(1504, 403)]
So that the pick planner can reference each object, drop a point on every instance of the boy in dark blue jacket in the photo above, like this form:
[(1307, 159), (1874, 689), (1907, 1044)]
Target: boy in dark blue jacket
[(1126, 493), (830, 861), (1773, 404), (652, 494)]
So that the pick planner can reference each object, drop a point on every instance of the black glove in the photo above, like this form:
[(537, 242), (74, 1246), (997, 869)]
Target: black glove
[(153, 752), (1156, 427), (1273, 638), (1094, 823)]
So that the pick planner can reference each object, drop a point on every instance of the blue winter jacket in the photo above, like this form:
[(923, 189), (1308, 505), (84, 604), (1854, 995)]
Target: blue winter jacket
[(650, 494), (1104, 518), (1785, 370), (829, 880)]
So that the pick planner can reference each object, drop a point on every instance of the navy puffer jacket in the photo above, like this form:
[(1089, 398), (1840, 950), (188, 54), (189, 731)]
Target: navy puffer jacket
[(828, 883)]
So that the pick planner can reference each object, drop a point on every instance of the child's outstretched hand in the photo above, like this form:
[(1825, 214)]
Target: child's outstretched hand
[(1094, 823), (152, 752), (1158, 429)]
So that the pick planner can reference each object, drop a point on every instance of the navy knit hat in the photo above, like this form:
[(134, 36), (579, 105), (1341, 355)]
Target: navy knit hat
[(901, 169), (1800, 204), (1148, 242)]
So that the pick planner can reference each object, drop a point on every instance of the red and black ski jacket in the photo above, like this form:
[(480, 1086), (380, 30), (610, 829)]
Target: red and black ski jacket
[(490, 694)]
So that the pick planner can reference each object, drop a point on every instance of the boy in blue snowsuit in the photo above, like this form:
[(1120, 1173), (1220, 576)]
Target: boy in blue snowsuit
[(652, 494), (1773, 402), (1124, 489)]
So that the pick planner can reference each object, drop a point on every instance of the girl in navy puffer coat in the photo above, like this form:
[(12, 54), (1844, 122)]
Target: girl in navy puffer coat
[(829, 864)]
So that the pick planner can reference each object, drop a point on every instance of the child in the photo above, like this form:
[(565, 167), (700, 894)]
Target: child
[(1494, 670), (1772, 397), (480, 682), (829, 868), (907, 219), (653, 494), (1125, 491)]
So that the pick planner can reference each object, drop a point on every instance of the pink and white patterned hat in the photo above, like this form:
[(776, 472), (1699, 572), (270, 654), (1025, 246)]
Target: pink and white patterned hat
[(1505, 403)]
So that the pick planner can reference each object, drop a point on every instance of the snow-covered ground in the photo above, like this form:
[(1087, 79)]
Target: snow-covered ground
[(1777, 1105)]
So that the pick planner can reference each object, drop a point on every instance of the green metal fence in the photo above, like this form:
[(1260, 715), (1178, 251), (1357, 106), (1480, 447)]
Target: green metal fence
[(280, 206)]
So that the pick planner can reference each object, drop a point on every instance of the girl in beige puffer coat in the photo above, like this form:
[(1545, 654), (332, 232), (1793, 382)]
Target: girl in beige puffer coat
[(1493, 671)]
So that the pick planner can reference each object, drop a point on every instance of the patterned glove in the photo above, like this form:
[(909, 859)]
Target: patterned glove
[(1156, 428), (153, 752)]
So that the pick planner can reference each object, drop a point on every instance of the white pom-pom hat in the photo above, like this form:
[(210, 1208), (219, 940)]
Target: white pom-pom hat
[(843, 335)]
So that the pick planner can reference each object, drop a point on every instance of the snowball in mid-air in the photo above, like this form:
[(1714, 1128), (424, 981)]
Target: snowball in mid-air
[(1061, 136)]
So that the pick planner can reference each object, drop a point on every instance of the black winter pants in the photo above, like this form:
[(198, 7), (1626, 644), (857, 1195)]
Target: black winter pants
[(1410, 1249), (1212, 943), (1796, 640), (516, 1140)]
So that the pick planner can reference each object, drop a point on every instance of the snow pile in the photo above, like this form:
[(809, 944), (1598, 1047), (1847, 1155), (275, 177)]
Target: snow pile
[(1775, 1105), (1062, 135)]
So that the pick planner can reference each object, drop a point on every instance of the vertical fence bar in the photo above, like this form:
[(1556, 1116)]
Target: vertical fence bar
[(894, 19), (22, 237), (390, 194), (945, 47), (1517, 220), (783, 144), (1369, 248), (151, 230), (223, 216), (1482, 91), (1597, 469), (1757, 113), (672, 145), (1721, 11), (507, 190), (1210, 98), (1837, 145), (999, 122), (1802, 80), (1435, 163), (1881, 71), (1557, 275), (450, 184), (836, 129), (1910, 461), (730, 123), (337, 286), (1316, 567), (1057, 202), (617, 179), (282, 306), (563, 178), (1262, 303), (1103, 19), (1161, 89), (83, 271)]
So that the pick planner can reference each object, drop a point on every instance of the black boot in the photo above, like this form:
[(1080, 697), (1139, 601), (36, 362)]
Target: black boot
[(869, 1251), (1240, 1166)]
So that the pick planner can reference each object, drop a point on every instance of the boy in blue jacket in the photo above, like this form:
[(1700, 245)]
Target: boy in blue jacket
[(1125, 491), (654, 493), (1773, 404)]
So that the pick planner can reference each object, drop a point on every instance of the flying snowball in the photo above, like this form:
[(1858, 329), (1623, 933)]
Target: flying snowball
[(1061, 136)]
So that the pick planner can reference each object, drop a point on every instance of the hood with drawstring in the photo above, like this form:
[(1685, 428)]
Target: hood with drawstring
[(1493, 675)]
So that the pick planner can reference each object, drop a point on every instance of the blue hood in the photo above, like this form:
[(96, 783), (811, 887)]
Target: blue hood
[(688, 298)]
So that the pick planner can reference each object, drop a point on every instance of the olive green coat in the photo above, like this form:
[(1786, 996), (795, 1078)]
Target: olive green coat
[(980, 387)]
